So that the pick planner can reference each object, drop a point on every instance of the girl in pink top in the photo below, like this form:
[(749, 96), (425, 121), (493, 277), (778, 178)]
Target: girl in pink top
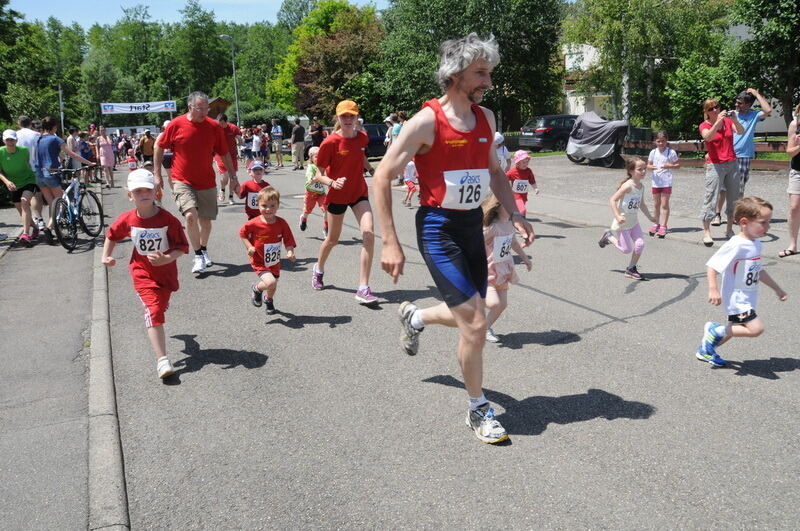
[(498, 236)]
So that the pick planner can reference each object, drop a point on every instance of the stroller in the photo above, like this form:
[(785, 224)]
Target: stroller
[(593, 138)]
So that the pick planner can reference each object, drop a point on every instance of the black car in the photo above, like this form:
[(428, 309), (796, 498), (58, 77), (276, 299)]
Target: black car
[(547, 132)]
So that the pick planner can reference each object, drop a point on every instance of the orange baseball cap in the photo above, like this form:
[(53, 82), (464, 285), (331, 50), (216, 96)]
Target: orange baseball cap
[(347, 107)]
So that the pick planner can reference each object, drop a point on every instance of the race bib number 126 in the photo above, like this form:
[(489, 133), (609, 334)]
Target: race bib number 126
[(465, 189)]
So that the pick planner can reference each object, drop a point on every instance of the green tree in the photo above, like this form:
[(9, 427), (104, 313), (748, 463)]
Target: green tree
[(292, 12), (647, 39), (771, 57), (200, 56), (527, 78)]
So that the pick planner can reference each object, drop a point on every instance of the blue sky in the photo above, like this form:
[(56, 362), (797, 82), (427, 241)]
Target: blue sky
[(87, 12)]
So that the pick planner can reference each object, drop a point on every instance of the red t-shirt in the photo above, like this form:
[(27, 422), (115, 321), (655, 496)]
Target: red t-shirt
[(344, 157), (267, 237), (250, 189), (720, 147), (193, 145), (463, 156), (162, 232), (515, 174)]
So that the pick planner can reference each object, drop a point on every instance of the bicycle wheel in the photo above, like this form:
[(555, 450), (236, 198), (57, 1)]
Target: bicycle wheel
[(66, 230), (91, 214)]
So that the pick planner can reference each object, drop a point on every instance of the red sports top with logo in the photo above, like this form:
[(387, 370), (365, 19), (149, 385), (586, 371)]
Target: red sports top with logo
[(267, 239), (454, 151), (249, 192), (344, 157), (162, 232)]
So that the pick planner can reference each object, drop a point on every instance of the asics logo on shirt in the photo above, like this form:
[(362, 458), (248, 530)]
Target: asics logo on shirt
[(149, 235), (470, 179)]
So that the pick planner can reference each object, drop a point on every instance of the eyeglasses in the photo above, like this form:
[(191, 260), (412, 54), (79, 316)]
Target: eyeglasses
[(715, 107), (201, 109)]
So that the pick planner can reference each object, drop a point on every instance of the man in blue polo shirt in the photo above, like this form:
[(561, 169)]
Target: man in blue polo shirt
[(744, 145)]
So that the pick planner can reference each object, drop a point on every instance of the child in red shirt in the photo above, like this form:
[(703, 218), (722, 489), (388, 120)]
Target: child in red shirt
[(262, 237), (521, 178), (131, 161), (249, 189), (315, 193), (158, 240)]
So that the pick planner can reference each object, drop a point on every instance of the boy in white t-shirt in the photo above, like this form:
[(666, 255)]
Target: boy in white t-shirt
[(739, 262), (410, 178)]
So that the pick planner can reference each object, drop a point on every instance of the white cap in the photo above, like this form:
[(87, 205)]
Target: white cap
[(498, 138), (256, 164), (141, 178), (9, 133), (165, 124)]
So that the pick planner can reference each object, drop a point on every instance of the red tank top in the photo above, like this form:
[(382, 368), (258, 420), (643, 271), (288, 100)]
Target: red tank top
[(454, 151)]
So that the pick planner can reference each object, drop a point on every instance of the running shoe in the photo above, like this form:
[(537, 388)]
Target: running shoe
[(25, 239), (221, 196), (270, 307), (487, 428), (409, 337), (710, 339), (632, 272), (164, 368), (316, 279), (40, 224), (198, 265), (365, 296), (256, 297), (712, 358), (34, 232), (654, 229), (230, 201), (717, 220), (662, 231), (605, 239), (324, 233), (303, 224), (207, 259), (490, 337)]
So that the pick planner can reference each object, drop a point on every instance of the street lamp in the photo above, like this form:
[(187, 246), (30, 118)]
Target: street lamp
[(233, 66), (169, 95)]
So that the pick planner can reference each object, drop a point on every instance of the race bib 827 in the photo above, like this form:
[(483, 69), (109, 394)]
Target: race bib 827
[(147, 241)]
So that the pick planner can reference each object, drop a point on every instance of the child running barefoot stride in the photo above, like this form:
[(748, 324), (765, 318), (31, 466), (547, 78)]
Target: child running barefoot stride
[(498, 236), (521, 178), (662, 160), (158, 240), (315, 193), (739, 262), (249, 189), (262, 237), (625, 205)]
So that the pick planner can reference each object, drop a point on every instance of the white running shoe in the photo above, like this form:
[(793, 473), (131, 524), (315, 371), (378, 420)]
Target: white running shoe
[(409, 336), (206, 259), (487, 429), (490, 337), (164, 367), (199, 264)]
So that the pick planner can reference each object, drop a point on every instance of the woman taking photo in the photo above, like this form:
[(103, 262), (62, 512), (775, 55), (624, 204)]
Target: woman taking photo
[(722, 171)]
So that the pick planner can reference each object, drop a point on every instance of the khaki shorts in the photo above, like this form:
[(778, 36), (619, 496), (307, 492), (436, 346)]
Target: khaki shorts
[(794, 182), (186, 197)]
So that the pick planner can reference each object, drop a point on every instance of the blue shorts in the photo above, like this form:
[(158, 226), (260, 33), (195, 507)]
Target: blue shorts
[(43, 178), (451, 243)]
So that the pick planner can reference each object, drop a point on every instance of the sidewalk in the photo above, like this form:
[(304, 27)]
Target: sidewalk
[(10, 225)]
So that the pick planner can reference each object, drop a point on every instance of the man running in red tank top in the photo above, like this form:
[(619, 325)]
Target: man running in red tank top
[(450, 140)]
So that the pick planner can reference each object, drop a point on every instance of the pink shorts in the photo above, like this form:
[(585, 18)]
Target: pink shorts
[(411, 186), (156, 302), (667, 190)]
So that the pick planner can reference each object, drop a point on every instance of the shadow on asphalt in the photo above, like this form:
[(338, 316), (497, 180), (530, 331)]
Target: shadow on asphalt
[(685, 229), (551, 236), (229, 271), (396, 296), (197, 357), (518, 340), (300, 264), (530, 416), (764, 368), (291, 320)]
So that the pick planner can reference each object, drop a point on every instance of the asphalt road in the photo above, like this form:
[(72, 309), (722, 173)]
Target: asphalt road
[(314, 418)]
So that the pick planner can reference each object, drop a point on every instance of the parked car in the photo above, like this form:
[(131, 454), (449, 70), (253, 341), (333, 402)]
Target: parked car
[(547, 132)]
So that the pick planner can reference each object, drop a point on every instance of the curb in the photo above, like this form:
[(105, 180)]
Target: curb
[(10, 240), (108, 498)]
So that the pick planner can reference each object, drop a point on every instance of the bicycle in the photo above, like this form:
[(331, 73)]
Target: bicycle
[(78, 206)]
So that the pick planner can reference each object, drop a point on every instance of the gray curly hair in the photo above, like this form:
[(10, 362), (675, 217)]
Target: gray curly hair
[(458, 54)]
